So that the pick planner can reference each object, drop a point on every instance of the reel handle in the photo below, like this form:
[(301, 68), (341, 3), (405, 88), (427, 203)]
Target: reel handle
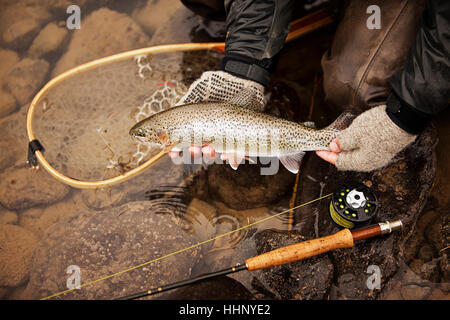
[(302, 250)]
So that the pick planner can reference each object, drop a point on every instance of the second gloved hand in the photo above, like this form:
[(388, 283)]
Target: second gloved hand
[(369, 143)]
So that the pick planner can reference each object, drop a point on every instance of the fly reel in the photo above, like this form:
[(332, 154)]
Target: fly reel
[(353, 205)]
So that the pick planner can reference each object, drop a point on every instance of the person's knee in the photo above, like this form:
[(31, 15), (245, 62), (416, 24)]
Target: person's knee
[(361, 60)]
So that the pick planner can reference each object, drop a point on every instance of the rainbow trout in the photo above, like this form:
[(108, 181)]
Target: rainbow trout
[(232, 128)]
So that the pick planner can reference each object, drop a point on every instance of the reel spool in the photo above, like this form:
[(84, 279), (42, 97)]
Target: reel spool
[(353, 205)]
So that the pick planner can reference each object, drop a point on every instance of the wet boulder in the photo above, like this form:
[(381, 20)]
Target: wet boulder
[(8, 59), (20, 23), (22, 188), (154, 14), (7, 103), (39, 219), (107, 242), (16, 246), (13, 138), (247, 188), (48, 41), (26, 78), (8, 217)]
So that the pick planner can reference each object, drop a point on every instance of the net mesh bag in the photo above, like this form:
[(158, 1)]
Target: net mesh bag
[(83, 122)]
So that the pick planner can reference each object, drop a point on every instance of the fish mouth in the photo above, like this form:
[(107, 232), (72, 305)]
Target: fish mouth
[(132, 131)]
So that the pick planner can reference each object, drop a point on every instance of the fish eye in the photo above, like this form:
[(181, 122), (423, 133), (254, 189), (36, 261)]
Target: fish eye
[(140, 132)]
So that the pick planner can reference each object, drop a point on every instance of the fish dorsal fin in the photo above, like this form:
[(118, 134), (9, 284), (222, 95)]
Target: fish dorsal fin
[(292, 162), (249, 99)]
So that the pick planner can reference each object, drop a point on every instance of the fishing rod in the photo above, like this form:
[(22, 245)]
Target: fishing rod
[(295, 252)]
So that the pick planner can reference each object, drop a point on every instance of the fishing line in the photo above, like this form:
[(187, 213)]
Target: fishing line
[(185, 249)]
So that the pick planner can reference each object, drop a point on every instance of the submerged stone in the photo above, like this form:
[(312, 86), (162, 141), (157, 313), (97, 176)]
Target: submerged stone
[(22, 188), (16, 246), (104, 243)]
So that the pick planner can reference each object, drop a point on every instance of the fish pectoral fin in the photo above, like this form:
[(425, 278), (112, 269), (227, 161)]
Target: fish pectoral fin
[(292, 162), (235, 159), (249, 159), (247, 99)]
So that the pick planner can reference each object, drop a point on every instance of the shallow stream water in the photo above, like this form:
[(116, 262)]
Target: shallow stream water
[(211, 211)]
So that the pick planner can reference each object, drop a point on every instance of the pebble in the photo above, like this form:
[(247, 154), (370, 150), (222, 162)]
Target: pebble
[(48, 40)]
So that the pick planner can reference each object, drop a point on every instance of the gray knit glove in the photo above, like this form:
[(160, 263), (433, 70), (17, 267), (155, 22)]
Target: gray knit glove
[(221, 86), (371, 141)]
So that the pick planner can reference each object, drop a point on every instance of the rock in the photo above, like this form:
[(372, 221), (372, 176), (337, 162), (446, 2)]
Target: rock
[(107, 242), (114, 32), (438, 294), (247, 188), (426, 253), (445, 269), (16, 245), (13, 138), (409, 285), (430, 271), (20, 32), (25, 79), (48, 40), (22, 188), (20, 23), (19, 293), (8, 59), (154, 14), (7, 103), (438, 233), (3, 292), (415, 292), (303, 280), (8, 217), (38, 220)]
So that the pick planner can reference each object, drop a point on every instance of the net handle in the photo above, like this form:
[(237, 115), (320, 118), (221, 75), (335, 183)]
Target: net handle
[(298, 28)]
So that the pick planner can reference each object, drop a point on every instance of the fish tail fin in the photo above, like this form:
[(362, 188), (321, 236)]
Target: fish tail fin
[(341, 122)]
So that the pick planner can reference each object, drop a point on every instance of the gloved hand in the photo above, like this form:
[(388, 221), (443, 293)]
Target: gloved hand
[(369, 143), (217, 86), (220, 86)]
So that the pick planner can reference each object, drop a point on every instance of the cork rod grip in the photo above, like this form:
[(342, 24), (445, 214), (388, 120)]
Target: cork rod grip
[(302, 250)]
